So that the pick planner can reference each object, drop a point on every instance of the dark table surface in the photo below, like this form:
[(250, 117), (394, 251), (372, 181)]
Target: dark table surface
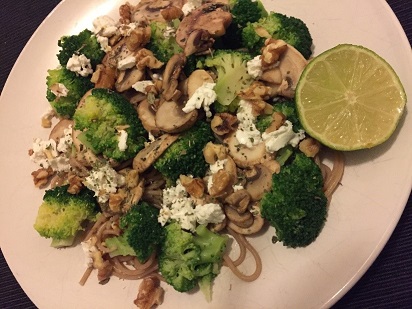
[(388, 282)]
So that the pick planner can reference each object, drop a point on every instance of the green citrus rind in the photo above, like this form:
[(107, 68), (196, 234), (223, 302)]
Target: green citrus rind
[(349, 98)]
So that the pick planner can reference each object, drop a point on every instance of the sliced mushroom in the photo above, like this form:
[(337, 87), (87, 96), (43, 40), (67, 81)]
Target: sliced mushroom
[(212, 17), (260, 184), (245, 157), (148, 155), (171, 76), (128, 78), (196, 80), (147, 117), (291, 65), (151, 9), (239, 219), (171, 118), (198, 41), (257, 225), (58, 130), (239, 200)]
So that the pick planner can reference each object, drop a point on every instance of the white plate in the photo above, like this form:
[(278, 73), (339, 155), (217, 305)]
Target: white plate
[(363, 214)]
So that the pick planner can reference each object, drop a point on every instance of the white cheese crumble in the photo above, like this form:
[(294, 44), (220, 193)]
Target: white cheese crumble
[(103, 181), (179, 206), (79, 64), (66, 141), (209, 213), (122, 144), (214, 168), (104, 26), (59, 90), (88, 249), (247, 134), (126, 63), (104, 43), (48, 153), (281, 137), (126, 30), (191, 5), (140, 86), (254, 67), (237, 187), (169, 32), (204, 96)]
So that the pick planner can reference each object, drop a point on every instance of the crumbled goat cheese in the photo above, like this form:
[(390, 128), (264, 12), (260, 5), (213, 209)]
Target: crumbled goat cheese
[(214, 168), (66, 141), (141, 86), (79, 64), (103, 181), (126, 30), (88, 249), (203, 96), (237, 187), (281, 137), (59, 90), (209, 213), (126, 63), (246, 133), (104, 26), (104, 43), (179, 206), (122, 144), (254, 67), (169, 32), (47, 153), (217, 166), (191, 5)]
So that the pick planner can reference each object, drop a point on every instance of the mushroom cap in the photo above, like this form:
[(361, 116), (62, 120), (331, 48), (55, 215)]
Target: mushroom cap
[(196, 79), (245, 157), (148, 155), (147, 116), (259, 184), (151, 9), (58, 130), (171, 118), (212, 17)]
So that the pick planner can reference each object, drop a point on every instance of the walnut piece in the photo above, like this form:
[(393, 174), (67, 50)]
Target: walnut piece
[(150, 293), (42, 176)]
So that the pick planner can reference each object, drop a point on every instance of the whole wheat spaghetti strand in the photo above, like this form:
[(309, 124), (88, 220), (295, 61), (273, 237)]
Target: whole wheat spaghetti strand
[(228, 261), (86, 275), (242, 247)]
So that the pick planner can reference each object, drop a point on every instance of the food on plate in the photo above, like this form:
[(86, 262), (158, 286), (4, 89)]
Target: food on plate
[(180, 122), (360, 109)]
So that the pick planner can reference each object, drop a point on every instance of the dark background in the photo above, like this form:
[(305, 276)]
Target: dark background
[(388, 282)]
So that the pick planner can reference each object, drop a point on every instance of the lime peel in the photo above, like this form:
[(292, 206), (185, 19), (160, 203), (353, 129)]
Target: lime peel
[(350, 98)]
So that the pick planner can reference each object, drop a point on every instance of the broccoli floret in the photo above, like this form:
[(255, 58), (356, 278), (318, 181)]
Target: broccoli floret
[(76, 85), (62, 214), (101, 117), (296, 205), (141, 231), (246, 11), (185, 155), (292, 30), (162, 47), (263, 122), (231, 70), (186, 259), (83, 43), (243, 12)]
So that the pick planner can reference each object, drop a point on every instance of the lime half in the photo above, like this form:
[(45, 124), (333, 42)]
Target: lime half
[(349, 98)]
